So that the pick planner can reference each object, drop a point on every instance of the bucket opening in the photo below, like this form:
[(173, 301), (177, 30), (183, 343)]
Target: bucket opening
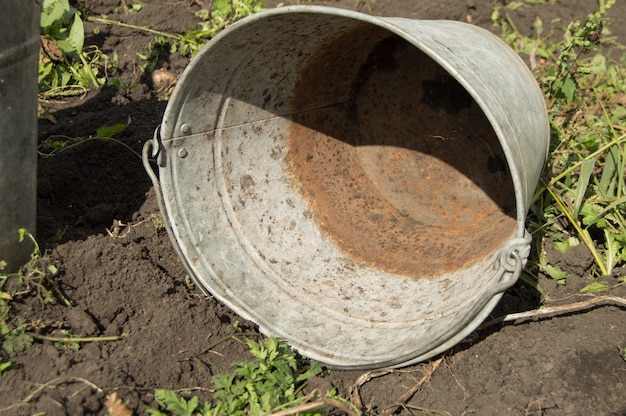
[(350, 183), (399, 165)]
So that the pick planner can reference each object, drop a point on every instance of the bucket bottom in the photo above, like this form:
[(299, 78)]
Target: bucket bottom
[(405, 173)]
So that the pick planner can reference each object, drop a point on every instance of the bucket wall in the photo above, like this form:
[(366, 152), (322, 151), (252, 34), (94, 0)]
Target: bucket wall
[(19, 50), (355, 185)]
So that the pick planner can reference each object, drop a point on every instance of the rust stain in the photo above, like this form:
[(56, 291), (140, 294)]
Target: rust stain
[(396, 179)]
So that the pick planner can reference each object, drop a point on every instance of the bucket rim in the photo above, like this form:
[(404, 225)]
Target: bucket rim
[(390, 24)]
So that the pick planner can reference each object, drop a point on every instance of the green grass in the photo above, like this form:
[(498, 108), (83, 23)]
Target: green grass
[(582, 196)]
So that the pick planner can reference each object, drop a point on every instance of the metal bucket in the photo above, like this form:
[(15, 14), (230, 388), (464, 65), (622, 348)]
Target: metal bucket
[(355, 185), (19, 51)]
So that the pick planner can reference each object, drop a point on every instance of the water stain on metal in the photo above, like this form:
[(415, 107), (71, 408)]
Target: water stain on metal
[(399, 165)]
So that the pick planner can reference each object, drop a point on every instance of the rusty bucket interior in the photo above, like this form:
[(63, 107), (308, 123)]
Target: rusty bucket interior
[(354, 185), (404, 171)]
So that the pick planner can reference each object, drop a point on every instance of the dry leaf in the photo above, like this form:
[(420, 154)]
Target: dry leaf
[(115, 406), (51, 49)]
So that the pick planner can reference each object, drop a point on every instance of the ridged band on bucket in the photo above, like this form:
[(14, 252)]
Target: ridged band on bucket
[(355, 185)]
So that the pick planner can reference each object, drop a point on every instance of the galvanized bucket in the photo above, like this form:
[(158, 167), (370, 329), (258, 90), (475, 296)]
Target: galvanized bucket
[(355, 185), (19, 51)]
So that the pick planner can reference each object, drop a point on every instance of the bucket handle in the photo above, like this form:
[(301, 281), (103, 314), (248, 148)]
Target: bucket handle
[(154, 148), (511, 261)]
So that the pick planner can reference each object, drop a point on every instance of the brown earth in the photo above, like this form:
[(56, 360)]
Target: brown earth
[(127, 280)]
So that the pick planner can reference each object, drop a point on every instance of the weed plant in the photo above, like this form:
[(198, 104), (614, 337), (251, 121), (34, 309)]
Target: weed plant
[(66, 66), (582, 196), (219, 15), (271, 382), (34, 278), (53, 145)]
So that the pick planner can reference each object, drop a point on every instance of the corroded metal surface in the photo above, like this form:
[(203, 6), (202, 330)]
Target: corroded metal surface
[(405, 173), (355, 185)]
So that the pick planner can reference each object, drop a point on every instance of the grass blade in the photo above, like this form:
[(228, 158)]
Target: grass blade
[(608, 208), (610, 250), (582, 233), (586, 170), (608, 180)]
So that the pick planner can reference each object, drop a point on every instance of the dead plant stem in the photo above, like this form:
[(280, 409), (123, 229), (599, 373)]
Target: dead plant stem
[(61, 380), (355, 396), (554, 311), (410, 392), (77, 339), (324, 402)]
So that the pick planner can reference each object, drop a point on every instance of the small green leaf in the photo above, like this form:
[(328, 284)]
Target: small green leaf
[(514, 5), (17, 340), (538, 25), (221, 9), (595, 287), (568, 88), (610, 173), (110, 131), (612, 249), (53, 11), (593, 215), (23, 232), (586, 170), (77, 34), (563, 246), (5, 366), (314, 370), (554, 272), (176, 404), (597, 65)]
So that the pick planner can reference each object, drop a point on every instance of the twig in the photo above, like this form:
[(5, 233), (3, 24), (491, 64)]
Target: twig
[(308, 405), (355, 396), (301, 408), (409, 393), (189, 389), (77, 339), (553, 311), (61, 380), (226, 338), (425, 409), (129, 26), (533, 55), (316, 405), (80, 140)]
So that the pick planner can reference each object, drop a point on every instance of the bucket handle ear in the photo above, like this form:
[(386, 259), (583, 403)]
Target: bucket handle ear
[(154, 148), (511, 260), (157, 152)]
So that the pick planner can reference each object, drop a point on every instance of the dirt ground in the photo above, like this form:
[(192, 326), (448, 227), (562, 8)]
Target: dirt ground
[(126, 280)]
